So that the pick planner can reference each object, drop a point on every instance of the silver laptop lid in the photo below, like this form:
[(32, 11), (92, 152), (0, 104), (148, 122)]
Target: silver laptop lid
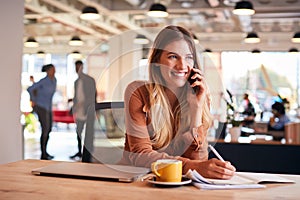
[(108, 172)]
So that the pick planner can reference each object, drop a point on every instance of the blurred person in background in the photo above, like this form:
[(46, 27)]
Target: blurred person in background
[(85, 95), (279, 118), (41, 95)]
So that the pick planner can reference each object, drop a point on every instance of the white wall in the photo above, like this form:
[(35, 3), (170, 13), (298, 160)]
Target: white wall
[(11, 49)]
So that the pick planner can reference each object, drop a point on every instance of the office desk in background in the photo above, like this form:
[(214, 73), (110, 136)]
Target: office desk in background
[(260, 156), (17, 182)]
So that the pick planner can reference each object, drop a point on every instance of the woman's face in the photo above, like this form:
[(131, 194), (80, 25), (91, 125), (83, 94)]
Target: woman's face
[(176, 62)]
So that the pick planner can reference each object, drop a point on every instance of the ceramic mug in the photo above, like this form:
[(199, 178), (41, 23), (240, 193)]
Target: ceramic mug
[(167, 170)]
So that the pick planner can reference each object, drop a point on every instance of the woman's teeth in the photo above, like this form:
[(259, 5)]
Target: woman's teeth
[(179, 74)]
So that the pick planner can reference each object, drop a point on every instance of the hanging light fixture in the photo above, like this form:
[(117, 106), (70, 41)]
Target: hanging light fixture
[(157, 10), (296, 38), (196, 41), (31, 42), (255, 51), (75, 41), (243, 8), (140, 39), (293, 50), (252, 37), (89, 13), (76, 55), (207, 50), (41, 54)]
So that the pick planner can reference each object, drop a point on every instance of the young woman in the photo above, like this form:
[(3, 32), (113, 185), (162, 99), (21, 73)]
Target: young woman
[(167, 117)]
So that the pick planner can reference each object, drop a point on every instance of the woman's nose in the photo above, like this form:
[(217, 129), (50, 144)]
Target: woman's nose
[(182, 64)]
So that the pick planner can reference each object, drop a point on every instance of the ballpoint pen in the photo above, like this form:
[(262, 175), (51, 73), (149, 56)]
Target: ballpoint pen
[(216, 153)]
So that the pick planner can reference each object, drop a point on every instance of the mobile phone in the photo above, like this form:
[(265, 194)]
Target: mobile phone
[(191, 81)]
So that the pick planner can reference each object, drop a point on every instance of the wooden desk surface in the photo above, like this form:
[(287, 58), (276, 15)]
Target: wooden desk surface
[(17, 182)]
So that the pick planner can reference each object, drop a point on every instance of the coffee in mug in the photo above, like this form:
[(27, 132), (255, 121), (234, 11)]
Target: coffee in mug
[(167, 170)]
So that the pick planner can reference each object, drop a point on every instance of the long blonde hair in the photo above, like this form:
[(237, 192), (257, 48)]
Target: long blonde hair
[(160, 109)]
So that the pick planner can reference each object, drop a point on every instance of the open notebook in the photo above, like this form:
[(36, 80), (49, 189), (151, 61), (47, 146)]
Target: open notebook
[(120, 173), (239, 180)]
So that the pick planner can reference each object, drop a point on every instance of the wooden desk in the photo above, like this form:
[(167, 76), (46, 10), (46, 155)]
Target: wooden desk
[(17, 182)]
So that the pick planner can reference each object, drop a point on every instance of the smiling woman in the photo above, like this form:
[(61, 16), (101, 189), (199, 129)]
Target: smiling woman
[(164, 118)]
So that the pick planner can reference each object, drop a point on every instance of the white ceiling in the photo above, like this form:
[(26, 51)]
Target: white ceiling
[(54, 22)]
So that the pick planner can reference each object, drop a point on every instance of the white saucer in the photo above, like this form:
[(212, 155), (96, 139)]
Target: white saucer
[(184, 181)]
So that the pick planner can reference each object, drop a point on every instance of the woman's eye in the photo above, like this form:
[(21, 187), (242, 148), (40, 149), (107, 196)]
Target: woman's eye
[(173, 56), (190, 58)]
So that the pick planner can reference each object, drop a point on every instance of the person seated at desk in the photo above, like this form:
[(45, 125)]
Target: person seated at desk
[(167, 117), (249, 111), (279, 119)]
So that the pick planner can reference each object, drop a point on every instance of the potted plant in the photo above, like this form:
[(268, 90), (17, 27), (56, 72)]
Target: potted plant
[(233, 119)]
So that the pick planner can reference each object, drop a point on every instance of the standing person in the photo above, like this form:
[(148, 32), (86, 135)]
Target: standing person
[(167, 116), (85, 95), (41, 94)]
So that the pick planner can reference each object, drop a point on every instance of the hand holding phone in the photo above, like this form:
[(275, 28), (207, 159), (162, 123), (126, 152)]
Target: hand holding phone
[(191, 81)]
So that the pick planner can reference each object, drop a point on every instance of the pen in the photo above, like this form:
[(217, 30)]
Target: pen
[(216, 153)]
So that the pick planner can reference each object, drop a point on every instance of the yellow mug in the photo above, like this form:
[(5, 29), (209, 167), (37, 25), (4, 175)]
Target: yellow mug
[(167, 170)]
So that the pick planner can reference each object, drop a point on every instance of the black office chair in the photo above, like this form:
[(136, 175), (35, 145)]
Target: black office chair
[(105, 133)]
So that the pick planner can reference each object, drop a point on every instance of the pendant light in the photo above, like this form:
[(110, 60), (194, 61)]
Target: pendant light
[(157, 10), (141, 39), (207, 50), (41, 54), (196, 41), (255, 51), (31, 42), (89, 13), (296, 38), (252, 37), (76, 55), (243, 8), (75, 41), (293, 50)]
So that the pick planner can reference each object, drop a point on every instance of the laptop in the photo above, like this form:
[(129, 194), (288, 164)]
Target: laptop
[(108, 172)]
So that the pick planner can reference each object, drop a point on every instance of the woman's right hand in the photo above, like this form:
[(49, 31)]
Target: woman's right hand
[(213, 168)]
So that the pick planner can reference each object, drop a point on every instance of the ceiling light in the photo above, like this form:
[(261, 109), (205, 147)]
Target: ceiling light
[(293, 50), (75, 41), (243, 8), (89, 13), (252, 37), (31, 42), (207, 51), (140, 39), (76, 55), (196, 41), (296, 38), (157, 10), (255, 51), (41, 54)]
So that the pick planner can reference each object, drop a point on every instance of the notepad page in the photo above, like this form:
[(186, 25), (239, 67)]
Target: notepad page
[(264, 177), (240, 178), (235, 180)]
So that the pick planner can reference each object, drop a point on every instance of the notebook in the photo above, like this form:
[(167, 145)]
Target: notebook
[(107, 172), (240, 180)]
